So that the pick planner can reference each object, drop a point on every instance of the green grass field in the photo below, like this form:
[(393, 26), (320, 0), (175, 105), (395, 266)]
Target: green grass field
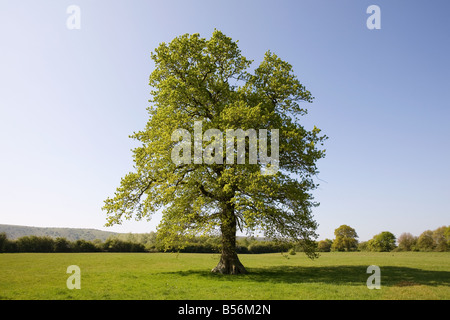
[(404, 275)]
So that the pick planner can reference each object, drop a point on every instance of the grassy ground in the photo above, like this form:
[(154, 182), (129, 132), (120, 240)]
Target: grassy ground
[(407, 275)]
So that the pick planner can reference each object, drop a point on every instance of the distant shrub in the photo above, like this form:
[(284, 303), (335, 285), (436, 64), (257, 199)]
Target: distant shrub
[(84, 246), (363, 246), (3, 242), (241, 249), (268, 247), (11, 246), (436, 240), (440, 239), (324, 245), (62, 245), (259, 248), (116, 245), (406, 242), (425, 241), (198, 248), (35, 244)]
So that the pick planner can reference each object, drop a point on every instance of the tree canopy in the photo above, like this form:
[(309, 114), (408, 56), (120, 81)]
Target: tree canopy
[(207, 81), (346, 238), (383, 242)]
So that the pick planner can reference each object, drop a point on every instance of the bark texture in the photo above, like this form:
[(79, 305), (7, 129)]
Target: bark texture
[(229, 262)]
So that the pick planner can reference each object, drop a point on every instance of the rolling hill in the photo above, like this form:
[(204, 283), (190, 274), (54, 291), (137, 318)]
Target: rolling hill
[(14, 231)]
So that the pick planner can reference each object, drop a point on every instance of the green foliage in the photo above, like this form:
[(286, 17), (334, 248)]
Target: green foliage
[(363, 246), (425, 242), (447, 235), (382, 242), (116, 245), (429, 240), (35, 244), (440, 238), (84, 246), (62, 245), (148, 242), (324, 245), (140, 243), (406, 242), (436, 240), (3, 242), (196, 79), (268, 247), (345, 239)]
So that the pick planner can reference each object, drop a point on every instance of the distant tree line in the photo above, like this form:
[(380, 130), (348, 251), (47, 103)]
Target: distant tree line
[(346, 239), (135, 243), (49, 244)]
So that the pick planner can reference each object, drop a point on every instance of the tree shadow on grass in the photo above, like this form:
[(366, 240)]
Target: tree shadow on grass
[(348, 275)]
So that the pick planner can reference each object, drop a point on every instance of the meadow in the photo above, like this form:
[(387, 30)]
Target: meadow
[(334, 275)]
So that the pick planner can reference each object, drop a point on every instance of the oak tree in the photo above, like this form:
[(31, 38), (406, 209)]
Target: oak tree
[(382, 242), (209, 81), (346, 239)]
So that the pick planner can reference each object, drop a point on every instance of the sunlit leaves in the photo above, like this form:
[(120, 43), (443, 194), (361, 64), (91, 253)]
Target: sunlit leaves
[(208, 80)]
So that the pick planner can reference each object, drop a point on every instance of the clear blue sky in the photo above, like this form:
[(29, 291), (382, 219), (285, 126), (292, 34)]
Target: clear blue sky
[(69, 99)]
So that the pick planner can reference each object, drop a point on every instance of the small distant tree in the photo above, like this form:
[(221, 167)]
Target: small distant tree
[(447, 236), (35, 244), (117, 245), (382, 242), (406, 242), (425, 241), (84, 246), (11, 246), (346, 239), (3, 242), (324, 245), (62, 245), (363, 246), (440, 239)]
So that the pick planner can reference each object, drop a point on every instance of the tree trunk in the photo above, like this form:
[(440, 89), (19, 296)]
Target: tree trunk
[(229, 262)]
